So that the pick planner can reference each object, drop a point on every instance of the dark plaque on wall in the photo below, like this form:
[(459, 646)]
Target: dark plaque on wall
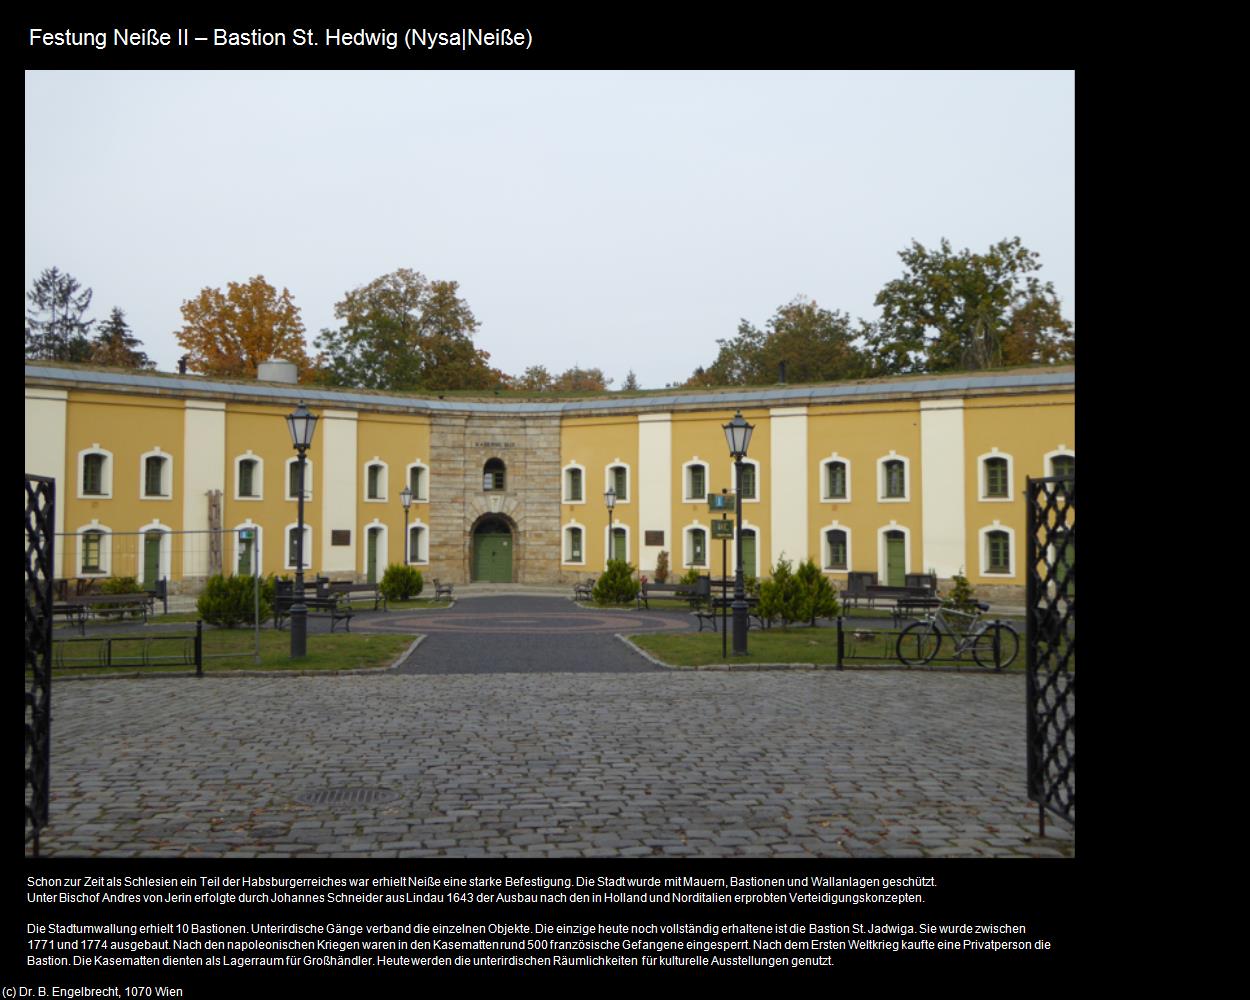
[(340, 537), (654, 538)]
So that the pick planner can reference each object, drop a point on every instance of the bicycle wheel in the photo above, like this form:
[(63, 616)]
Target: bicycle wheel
[(919, 643), (1008, 646)]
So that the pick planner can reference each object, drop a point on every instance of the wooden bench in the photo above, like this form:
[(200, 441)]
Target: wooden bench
[(712, 613), (442, 589), (333, 608), (584, 591), (349, 592), (696, 593), (139, 604), (907, 607)]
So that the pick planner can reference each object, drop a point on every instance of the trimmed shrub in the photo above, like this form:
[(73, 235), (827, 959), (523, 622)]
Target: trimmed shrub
[(400, 582), (661, 567), (617, 584), (121, 585), (961, 596), (228, 601), (819, 599), (690, 577)]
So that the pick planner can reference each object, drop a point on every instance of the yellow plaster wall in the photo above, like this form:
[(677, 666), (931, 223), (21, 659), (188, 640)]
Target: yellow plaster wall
[(398, 440), (596, 443), (863, 433)]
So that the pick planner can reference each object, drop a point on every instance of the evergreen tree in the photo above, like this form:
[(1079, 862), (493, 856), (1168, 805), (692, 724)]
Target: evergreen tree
[(114, 344), (55, 326)]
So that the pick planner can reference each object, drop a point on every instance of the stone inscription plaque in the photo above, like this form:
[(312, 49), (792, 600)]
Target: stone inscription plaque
[(338, 536), (654, 538)]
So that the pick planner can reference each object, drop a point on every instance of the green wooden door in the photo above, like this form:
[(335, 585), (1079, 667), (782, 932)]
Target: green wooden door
[(151, 559), (618, 544), (895, 559), (492, 556), (748, 553), (372, 555)]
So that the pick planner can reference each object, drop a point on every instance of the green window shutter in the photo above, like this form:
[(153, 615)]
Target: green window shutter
[(575, 484), (837, 549), (698, 482), (415, 484), (91, 552), (293, 480), (247, 469), (698, 548), (999, 552), (93, 474), (575, 545), (152, 476), (996, 477), (375, 482), (836, 480), (620, 481), (747, 485)]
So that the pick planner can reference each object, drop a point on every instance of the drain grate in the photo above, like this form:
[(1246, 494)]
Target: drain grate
[(347, 796)]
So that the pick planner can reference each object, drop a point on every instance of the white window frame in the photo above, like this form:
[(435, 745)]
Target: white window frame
[(881, 478), (882, 567), (423, 549), (565, 492), (308, 546), (258, 548), (425, 478), (824, 479), (385, 542), (383, 481), (308, 479), (687, 546), (984, 553), (609, 480), (824, 552), (164, 560), (759, 482), (686, 495), (607, 541), (106, 550), (983, 476), (106, 473), (258, 476), (167, 475), (1048, 459), (566, 545)]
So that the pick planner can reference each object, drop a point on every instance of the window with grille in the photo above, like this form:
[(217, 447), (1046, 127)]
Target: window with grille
[(494, 476), (998, 552), (93, 475), (835, 548), (996, 477), (92, 547), (247, 478), (1063, 465), (835, 480), (154, 476), (573, 485), (895, 481)]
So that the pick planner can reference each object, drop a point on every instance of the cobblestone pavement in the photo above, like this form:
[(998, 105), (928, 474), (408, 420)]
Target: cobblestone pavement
[(854, 764)]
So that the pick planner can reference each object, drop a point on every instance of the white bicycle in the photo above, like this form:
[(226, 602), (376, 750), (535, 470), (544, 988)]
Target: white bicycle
[(993, 643)]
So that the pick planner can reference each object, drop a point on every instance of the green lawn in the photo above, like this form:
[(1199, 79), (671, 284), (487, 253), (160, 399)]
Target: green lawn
[(794, 645), (339, 651)]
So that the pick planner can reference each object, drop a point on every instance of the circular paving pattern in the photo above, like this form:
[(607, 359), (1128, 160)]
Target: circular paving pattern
[(529, 623)]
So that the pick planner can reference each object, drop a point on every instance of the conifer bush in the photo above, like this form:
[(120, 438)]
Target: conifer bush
[(227, 601), (617, 584), (401, 582)]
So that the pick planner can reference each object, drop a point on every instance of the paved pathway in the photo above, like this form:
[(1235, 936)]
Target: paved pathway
[(538, 764)]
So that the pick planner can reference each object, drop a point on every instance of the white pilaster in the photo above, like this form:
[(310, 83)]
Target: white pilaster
[(204, 469), (655, 488), (45, 451), (787, 486), (338, 491), (942, 475)]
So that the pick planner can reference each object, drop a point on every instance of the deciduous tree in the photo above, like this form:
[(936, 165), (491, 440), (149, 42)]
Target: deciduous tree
[(231, 333), (403, 331), (56, 329), (954, 311)]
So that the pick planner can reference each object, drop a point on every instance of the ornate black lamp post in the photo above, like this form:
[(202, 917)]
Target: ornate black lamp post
[(302, 424), (609, 498), (405, 498), (738, 436)]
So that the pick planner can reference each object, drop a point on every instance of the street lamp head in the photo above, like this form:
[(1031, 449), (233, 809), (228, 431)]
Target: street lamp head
[(301, 423), (738, 435), (610, 497), (405, 497)]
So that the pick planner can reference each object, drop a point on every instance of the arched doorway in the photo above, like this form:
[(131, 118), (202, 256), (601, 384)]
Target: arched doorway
[(492, 550)]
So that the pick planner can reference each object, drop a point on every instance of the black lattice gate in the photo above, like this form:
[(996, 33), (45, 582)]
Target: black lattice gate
[(40, 544), (1051, 641)]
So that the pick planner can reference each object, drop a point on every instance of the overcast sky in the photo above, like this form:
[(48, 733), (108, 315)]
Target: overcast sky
[(614, 220)]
